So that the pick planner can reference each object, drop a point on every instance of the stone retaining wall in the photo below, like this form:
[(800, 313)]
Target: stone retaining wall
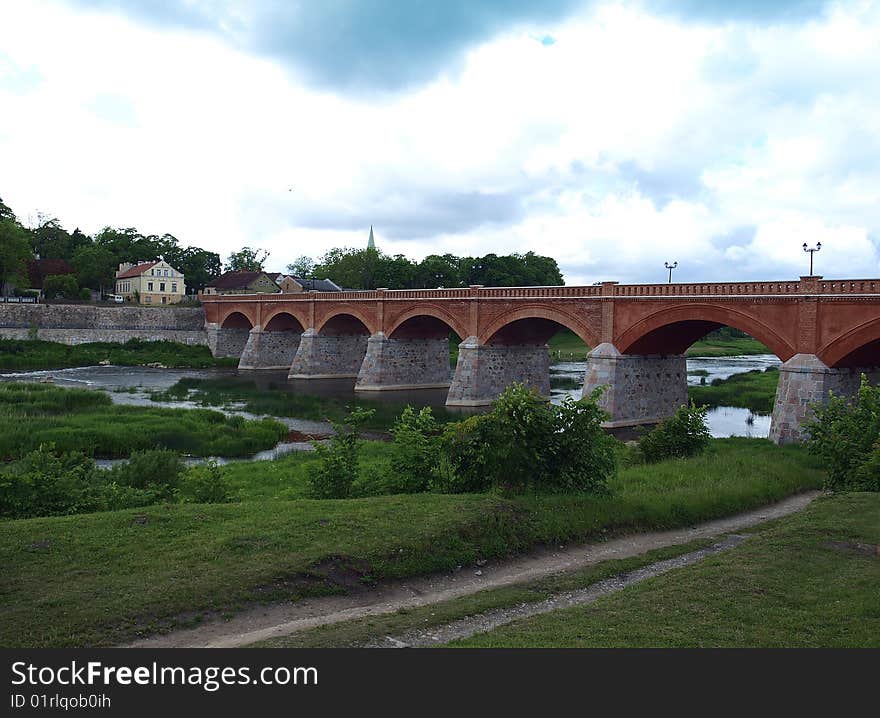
[(83, 323)]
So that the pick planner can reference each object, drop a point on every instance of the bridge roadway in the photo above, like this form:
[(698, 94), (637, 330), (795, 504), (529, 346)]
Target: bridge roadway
[(826, 332)]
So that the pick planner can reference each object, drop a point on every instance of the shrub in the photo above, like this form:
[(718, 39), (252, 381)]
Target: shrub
[(156, 471), (337, 469), (43, 484), (415, 451), (205, 485), (525, 443), (60, 285), (683, 434), (845, 433)]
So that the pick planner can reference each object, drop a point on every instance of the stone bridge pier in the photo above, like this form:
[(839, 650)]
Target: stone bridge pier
[(638, 388), (804, 381), (273, 346), (334, 351), (415, 355), (229, 339)]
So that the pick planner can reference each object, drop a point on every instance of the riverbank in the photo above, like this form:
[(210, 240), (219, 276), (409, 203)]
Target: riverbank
[(76, 572), (567, 346), (27, 355)]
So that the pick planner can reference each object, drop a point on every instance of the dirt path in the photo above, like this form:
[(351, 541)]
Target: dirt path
[(488, 620), (265, 622)]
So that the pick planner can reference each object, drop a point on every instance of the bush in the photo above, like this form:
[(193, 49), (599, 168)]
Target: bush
[(683, 434), (415, 451), (43, 484), (156, 471), (845, 433), (62, 286), (525, 443), (338, 466), (205, 485)]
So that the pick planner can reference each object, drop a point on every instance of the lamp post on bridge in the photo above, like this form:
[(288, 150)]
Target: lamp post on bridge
[(811, 251), (670, 267)]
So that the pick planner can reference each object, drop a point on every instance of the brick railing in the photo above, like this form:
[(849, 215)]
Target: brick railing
[(806, 285)]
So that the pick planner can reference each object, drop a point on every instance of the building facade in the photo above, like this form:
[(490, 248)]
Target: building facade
[(242, 283), (150, 283)]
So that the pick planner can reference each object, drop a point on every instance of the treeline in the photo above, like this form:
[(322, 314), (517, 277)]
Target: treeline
[(95, 259), (371, 268)]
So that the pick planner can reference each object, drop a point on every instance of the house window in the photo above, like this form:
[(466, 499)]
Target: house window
[(149, 286), (161, 286), (174, 287), (166, 272), (148, 299), (164, 299)]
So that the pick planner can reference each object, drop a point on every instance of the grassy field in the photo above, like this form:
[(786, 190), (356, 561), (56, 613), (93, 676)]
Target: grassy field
[(275, 401), (567, 346), (24, 355), (87, 421), (98, 579), (755, 390), (809, 580)]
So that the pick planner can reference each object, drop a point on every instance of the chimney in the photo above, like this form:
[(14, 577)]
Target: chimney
[(124, 266)]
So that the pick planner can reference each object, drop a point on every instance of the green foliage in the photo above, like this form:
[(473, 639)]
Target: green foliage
[(86, 421), (156, 471), (206, 485), (845, 433), (527, 444), (416, 451), (14, 249), (33, 354), (683, 434), (247, 259), (755, 390), (338, 468), (60, 286)]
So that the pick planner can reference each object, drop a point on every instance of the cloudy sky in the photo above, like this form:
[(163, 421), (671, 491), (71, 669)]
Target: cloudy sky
[(613, 136)]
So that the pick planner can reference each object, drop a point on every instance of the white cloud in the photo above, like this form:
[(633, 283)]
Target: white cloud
[(630, 140)]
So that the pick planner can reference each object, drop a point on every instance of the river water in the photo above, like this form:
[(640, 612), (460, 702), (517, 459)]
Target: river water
[(133, 385)]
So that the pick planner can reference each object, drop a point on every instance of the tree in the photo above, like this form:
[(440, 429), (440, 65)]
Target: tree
[(15, 250), (303, 267), (247, 260), (95, 266), (61, 285)]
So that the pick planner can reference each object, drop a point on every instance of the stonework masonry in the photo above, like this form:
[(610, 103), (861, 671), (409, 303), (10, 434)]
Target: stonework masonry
[(804, 381), (269, 349), (79, 324), (392, 364), (321, 356), (639, 389), (483, 371)]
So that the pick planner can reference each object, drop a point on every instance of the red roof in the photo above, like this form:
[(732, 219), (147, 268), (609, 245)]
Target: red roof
[(39, 269), (136, 270)]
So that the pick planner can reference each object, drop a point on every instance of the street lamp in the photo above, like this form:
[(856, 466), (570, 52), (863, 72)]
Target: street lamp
[(670, 267), (814, 249)]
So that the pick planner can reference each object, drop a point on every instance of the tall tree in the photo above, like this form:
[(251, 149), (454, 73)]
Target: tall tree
[(15, 250), (247, 259), (303, 267)]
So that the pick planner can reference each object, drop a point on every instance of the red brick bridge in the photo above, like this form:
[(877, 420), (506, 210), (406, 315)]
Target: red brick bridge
[(825, 331)]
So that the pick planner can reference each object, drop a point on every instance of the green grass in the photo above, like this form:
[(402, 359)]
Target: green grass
[(104, 578), (809, 580), (277, 401), (567, 346), (23, 355), (755, 390), (87, 421)]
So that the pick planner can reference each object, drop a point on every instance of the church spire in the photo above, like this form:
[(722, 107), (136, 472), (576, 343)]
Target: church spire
[(371, 243)]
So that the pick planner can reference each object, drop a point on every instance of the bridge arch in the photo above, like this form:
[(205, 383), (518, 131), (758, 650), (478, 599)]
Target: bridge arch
[(540, 318), (672, 330), (283, 321), (347, 321), (408, 318), (237, 320), (858, 347)]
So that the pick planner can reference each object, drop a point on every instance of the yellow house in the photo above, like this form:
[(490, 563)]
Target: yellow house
[(150, 283)]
